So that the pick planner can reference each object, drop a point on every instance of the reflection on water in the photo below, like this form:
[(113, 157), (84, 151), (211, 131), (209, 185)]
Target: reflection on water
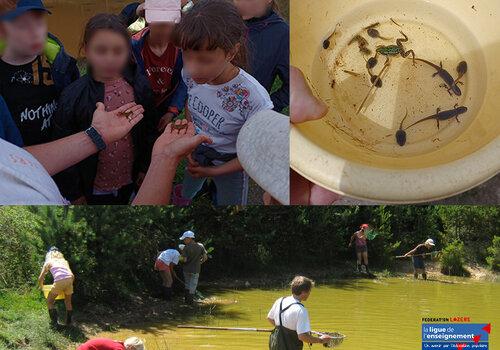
[(69, 17), (369, 312)]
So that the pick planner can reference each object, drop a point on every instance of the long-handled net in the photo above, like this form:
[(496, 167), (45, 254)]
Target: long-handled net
[(337, 338)]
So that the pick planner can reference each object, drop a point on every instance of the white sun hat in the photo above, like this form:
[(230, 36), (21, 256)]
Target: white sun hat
[(134, 343), (163, 11), (264, 152), (430, 242), (187, 234)]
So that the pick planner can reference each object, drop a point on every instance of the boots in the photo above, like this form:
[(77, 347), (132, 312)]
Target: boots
[(424, 275), (167, 292), (358, 267), (69, 316), (415, 275), (53, 318), (188, 298)]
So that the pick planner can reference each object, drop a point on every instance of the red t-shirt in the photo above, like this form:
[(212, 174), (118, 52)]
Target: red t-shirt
[(102, 344), (160, 70)]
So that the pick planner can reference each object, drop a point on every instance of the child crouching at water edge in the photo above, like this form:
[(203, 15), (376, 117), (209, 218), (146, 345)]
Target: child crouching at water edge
[(221, 96), (63, 283), (115, 173), (165, 264)]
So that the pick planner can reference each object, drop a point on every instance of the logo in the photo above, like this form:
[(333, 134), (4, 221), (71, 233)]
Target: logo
[(455, 336)]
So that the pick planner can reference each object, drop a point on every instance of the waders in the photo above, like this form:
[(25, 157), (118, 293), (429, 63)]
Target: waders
[(283, 338)]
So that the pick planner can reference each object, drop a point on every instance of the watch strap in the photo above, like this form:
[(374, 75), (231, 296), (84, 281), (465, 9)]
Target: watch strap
[(96, 138)]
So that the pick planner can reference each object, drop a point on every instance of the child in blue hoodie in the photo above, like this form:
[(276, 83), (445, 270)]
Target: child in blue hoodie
[(8, 129), (34, 68), (269, 47)]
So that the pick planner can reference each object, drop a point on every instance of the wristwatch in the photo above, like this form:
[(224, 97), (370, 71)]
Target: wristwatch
[(96, 138)]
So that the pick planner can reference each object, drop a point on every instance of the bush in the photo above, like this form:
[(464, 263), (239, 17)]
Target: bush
[(452, 259), (493, 258), (21, 248)]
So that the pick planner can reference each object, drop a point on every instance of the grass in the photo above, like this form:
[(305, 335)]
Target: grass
[(24, 324)]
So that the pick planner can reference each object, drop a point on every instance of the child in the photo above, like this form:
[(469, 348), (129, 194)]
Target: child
[(109, 177), (34, 68), (8, 129), (132, 343), (159, 60), (361, 248), (165, 266), (269, 47), (417, 255), (63, 283), (221, 96)]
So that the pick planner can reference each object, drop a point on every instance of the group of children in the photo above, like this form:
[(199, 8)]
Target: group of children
[(192, 62)]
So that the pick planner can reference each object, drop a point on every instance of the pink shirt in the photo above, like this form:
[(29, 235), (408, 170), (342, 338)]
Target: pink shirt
[(116, 162), (60, 273)]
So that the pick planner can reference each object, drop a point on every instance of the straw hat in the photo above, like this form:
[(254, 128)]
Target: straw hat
[(264, 152)]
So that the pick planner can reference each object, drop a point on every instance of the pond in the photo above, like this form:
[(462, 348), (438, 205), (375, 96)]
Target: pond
[(370, 312)]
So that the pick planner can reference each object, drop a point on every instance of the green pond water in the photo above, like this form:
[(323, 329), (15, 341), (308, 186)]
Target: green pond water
[(370, 312)]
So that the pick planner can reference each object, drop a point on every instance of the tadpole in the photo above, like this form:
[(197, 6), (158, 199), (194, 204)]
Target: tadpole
[(375, 80)]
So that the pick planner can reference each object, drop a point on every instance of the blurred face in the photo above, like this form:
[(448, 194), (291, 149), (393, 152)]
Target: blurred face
[(305, 295), (204, 66), (162, 29), (252, 8), (107, 53), (26, 35)]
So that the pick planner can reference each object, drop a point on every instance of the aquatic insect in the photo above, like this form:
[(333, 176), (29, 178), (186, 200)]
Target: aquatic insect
[(362, 44), (179, 127), (127, 114), (401, 133), (326, 44)]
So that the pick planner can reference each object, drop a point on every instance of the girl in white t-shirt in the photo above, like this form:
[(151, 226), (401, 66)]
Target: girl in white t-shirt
[(165, 263), (222, 96)]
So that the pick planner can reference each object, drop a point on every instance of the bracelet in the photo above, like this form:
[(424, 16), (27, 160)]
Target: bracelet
[(96, 138)]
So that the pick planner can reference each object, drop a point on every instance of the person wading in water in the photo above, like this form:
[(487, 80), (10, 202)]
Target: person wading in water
[(361, 248), (418, 257), (291, 319)]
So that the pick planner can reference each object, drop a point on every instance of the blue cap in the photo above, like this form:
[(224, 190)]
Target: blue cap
[(22, 7)]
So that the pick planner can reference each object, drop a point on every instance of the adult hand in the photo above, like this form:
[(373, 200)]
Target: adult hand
[(113, 126), (304, 106), (325, 338), (178, 141), (165, 120)]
